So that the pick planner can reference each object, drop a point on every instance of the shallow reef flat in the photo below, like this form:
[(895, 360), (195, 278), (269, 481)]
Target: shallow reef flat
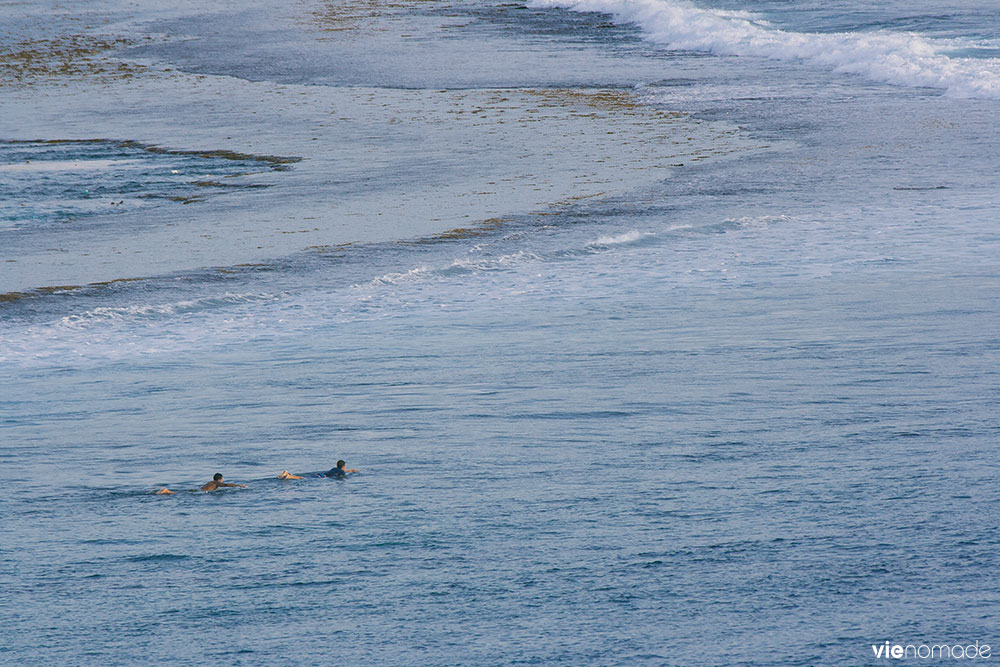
[(357, 163)]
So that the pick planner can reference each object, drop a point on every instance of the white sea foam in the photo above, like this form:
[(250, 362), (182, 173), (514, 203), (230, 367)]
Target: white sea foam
[(627, 237), (139, 312), (462, 264), (905, 59), (403, 276), (122, 332)]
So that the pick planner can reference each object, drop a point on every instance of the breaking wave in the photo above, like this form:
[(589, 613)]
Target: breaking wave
[(904, 59)]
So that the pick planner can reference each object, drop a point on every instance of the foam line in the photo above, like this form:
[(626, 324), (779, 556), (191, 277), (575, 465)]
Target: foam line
[(904, 59)]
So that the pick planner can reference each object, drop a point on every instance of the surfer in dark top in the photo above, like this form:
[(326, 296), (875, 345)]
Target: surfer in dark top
[(338, 472)]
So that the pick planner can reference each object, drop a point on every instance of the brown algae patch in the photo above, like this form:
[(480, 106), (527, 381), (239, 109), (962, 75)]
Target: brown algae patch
[(8, 297), (37, 292), (217, 184), (358, 15), (481, 229), (276, 162), (109, 283), (329, 249), (601, 99), (68, 56), (187, 188), (55, 289)]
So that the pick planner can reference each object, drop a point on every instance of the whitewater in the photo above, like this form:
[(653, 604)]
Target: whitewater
[(900, 58)]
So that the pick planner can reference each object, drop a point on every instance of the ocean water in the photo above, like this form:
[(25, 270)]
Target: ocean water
[(661, 332)]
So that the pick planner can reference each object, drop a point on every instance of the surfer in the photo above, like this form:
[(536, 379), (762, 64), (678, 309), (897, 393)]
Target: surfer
[(217, 483), (339, 472)]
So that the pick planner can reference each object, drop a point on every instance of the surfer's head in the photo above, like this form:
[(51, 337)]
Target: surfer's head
[(217, 477), (341, 464)]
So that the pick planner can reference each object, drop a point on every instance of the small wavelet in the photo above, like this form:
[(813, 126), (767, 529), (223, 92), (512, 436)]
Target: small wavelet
[(158, 311), (898, 58), (399, 277), (455, 267), (158, 558), (621, 239)]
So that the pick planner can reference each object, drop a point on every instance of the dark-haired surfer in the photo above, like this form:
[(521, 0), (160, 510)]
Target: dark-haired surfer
[(338, 472), (217, 483)]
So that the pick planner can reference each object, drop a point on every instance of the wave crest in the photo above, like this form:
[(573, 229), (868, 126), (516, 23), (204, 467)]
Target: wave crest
[(905, 59)]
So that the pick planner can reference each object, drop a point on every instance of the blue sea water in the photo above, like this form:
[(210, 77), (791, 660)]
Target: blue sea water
[(744, 414)]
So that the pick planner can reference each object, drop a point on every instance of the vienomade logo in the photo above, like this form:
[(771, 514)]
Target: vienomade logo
[(891, 650)]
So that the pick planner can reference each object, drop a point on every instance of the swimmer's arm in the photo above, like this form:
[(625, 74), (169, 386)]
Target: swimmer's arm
[(164, 492), (235, 486), (352, 470)]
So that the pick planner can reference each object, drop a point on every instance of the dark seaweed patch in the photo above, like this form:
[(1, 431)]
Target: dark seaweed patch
[(50, 181), (483, 228), (74, 56)]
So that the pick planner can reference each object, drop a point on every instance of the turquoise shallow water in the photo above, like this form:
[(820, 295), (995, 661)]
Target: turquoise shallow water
[(743, 415)]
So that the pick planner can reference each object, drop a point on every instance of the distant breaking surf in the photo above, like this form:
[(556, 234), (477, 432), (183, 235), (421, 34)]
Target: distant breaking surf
[(904, 59)]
